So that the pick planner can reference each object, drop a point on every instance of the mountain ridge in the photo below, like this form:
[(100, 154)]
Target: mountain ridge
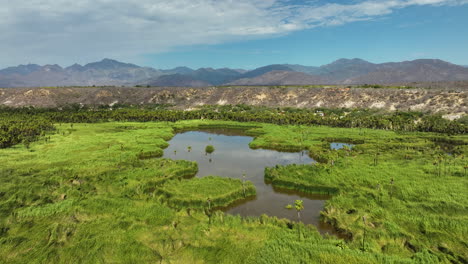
[(341, 71)]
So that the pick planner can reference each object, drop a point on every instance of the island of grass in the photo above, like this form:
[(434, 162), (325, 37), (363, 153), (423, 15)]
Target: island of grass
[(304, 178), (206, 192)]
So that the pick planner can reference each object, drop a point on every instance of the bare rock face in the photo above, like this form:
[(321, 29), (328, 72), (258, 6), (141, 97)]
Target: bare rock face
[(452, 102)]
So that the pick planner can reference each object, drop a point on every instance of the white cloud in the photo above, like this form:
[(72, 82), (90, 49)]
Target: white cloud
[(66, 31)]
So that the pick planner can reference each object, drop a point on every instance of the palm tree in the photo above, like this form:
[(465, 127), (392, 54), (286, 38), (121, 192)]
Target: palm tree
[(299, 206), (243, 182)]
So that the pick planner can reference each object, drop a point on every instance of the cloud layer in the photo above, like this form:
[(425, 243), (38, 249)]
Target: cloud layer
[(66, 31)]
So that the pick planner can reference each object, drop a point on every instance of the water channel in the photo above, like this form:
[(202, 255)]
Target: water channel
[(233, 157)]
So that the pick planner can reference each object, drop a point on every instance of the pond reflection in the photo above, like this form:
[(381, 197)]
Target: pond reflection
[(232, 158)]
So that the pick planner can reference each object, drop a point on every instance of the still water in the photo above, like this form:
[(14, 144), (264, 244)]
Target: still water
[(336, 145), (232, 158)]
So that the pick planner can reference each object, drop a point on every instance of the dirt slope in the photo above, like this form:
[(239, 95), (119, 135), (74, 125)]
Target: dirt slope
[(444, 101)]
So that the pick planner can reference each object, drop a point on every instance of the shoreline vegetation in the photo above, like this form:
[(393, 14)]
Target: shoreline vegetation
[(25, 125), (87, 185)]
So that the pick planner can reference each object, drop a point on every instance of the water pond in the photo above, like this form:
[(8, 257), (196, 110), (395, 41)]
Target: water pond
[(337, 145), (233, 157)]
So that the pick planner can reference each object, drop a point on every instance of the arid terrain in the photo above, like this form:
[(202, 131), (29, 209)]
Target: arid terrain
[(451, 102)]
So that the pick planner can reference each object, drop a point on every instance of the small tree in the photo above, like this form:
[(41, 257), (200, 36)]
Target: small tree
[(299, 206), (189, 148), (243, 182)]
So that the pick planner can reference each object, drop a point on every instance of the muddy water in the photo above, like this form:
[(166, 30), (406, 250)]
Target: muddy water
[(233, 158)]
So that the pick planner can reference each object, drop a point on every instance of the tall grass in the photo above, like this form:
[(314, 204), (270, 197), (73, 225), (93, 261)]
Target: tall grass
[(85, 196)]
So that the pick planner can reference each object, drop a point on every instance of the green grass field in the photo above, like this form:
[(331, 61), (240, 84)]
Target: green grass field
[(95, 193)]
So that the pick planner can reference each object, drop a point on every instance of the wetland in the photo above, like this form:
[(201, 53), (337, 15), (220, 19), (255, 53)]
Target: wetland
[(126, 192), (234, 158)]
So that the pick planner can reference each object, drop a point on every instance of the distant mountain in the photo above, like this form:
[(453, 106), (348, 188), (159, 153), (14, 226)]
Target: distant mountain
[(265, 69), (75, 68), (215, 76), (424, 70), (242, 71), (345, 68), (281, 78), (105, 72), (20, 70), (178, 80), (342, 71), (180, 70), (108, 64), (302, 68)]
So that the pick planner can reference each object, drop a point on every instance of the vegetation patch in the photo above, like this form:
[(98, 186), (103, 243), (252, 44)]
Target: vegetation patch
[(209, 149), (206, 192), (304, 178), (150, 154)]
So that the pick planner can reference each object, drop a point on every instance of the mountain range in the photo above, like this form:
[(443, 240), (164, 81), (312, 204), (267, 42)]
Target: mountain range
[(342, 71)]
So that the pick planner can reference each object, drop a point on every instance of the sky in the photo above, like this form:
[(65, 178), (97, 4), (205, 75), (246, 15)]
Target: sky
[(231, 33)]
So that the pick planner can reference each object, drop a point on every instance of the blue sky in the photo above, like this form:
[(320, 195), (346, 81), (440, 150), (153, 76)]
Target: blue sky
[(407, 34), (227, 33)]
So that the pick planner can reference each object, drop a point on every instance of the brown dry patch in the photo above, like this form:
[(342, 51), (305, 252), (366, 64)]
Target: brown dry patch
[(104, 93)]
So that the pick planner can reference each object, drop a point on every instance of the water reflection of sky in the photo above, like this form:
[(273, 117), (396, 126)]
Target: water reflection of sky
[(232, 158), (336, 145)]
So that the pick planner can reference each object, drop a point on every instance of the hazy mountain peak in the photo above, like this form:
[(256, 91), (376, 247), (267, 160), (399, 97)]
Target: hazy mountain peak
[(432, 61), (21, 69), (265, 69), (51, 68), (109, 64), (209, 69), (75, 67), (180, 70), (344, 61)]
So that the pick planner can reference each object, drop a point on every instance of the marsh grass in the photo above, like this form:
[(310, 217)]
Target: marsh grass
[(85, 196)]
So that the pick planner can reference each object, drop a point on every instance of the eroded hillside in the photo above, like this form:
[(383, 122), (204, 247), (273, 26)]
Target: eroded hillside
[(443, 101)]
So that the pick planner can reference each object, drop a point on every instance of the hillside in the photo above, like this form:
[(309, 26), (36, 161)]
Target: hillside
[(443, 101)]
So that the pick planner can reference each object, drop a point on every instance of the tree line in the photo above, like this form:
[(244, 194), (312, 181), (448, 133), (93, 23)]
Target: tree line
[(22, 128), (26, 124)]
